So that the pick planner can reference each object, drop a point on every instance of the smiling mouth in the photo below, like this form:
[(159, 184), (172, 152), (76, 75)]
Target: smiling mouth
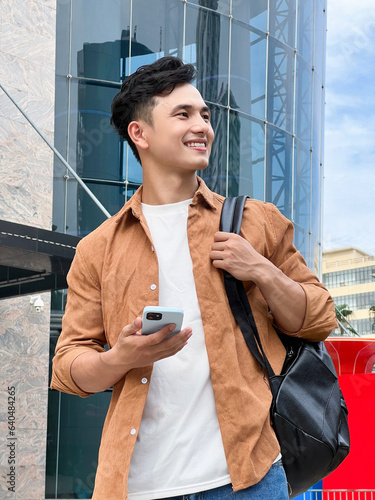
[(196, 144)]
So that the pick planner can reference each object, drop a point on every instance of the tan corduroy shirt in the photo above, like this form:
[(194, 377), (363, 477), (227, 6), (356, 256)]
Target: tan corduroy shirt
[(115, 274)]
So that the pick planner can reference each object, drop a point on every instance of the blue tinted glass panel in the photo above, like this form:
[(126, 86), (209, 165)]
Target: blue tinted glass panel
[(130, 190), (302, 186), (280, 85), (283, 21), (210, 33), (301, 241), (100, 38), (305, 30), (58, 300), (80, 422), (251, 158), (215, 175), (133, 173), (303, 109), (62, 37), (252, 13), (221, 6), (60, 143), (279, 169), (317, 116), (248, 70), (315, 197), (61, 114), (319, 37), (83, 215), (157, 32), (59, 192), (234, 160), (94, 146)]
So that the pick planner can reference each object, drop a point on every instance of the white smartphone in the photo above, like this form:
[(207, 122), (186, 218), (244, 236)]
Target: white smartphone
[(156, 317)]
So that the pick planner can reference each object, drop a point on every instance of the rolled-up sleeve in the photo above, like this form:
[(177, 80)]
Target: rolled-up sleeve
[(82, 324), (320, 317)]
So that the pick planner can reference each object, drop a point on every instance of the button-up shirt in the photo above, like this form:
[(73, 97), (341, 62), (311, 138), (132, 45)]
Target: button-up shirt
[(114, 275)]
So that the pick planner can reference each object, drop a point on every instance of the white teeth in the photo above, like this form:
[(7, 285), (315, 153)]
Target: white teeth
[(195, 144)]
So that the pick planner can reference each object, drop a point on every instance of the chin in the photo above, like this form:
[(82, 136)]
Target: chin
[(203, 167)]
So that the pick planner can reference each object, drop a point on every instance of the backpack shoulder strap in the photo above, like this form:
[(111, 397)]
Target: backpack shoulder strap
[(231, 215), (231, 218)]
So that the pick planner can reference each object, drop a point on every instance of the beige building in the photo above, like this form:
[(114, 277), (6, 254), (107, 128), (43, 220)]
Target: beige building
[(349, 275)]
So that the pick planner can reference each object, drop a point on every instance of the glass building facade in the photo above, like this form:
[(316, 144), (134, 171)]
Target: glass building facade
[(260, 67)]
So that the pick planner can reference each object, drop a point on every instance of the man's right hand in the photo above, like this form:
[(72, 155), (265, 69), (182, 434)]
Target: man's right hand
[(134, 350), (97, 371)]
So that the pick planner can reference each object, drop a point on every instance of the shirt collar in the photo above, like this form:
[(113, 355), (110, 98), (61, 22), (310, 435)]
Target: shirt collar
[(202, 194), (205, 194)]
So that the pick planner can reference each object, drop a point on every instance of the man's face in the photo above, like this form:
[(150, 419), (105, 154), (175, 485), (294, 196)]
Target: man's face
[(181, 134)]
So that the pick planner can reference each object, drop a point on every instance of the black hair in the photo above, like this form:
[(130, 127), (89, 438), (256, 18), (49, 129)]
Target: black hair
[(136, 98)]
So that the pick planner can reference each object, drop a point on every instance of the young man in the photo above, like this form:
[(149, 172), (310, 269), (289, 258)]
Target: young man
[(189, 415)]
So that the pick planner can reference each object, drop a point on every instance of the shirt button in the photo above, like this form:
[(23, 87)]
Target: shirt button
[(144, 380), (133, 432), (153, 286)]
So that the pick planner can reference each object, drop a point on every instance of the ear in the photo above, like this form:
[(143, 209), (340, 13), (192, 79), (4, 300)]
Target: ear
[(136, 131)]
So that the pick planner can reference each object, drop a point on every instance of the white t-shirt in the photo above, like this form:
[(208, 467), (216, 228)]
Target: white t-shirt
[(179, 448)]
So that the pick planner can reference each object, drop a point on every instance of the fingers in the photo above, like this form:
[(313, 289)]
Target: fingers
[(222, 236), (222, 247), (170, 347), (133, 328), (154, 348), (232, 253), (160, 335), (223, 241)]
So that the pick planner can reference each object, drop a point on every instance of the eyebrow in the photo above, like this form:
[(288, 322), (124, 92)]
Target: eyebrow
[(189, 106)]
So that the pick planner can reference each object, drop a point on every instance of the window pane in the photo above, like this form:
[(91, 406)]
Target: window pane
[(248, 69), (61, 114), (209, 32), (253, 13), (303, 102), (62, 37), (319, 36), (80, 422), (301, 241), (156, 30), (221, 6), (302, 186), (283, 21), (133, 172), (59, 191), (94, 146), (215, 175), (83, 215), (305, 30), (100, 38), (317, 116), (279, 169), (280, 85), (251, 157), (315, 197)]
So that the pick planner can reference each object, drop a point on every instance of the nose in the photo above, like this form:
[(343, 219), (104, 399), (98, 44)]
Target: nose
[(201, 126)]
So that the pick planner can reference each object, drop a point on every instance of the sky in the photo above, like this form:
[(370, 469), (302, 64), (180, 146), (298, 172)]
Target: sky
[(349, 165)]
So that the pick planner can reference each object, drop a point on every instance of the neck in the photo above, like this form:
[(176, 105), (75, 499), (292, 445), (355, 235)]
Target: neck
[(166, 190)]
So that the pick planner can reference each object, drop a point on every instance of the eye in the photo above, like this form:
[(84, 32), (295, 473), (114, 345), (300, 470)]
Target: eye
[(206, 117), (183, 113)]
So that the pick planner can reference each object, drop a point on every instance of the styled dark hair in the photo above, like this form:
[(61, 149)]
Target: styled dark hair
[(136, 98)]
